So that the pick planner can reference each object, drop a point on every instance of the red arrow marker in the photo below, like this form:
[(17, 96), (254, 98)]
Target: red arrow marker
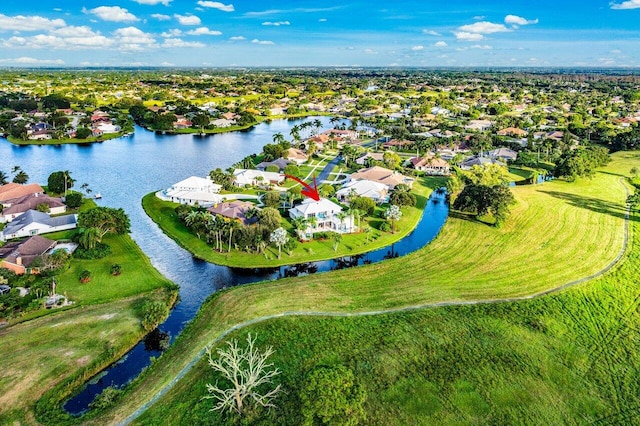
[(309, 191)]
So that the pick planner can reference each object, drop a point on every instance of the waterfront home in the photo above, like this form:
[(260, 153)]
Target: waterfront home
[(12, 191), (382, 175), (17, 206), (235, 210), (34, 222), (280, 163), (323, 215), (377, 191), (476, 160), (431, 165), (192, 190), (248, 177), (18, 256)]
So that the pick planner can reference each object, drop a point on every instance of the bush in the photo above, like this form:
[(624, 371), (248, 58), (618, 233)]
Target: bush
[(385, 226), (100, 251), (365, 204), (73, 200), (116, 269), (153, 312), (106, 399), (85, 276)]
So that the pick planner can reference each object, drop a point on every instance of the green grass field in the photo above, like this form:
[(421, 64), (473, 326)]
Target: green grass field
[(163, 213), (558, 232)]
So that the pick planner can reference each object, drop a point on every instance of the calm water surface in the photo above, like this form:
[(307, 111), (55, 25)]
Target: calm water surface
[(124, 170)]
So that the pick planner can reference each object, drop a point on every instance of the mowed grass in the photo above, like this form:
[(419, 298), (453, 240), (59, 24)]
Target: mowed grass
[(163, 213), (40, 353), (138, 275), (570, 358), (558, 232)]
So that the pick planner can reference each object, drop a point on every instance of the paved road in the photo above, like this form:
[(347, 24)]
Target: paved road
[(324, 174)]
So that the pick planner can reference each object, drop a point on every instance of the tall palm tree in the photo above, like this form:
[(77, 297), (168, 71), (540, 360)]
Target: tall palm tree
[(278, 138), (3, 178)]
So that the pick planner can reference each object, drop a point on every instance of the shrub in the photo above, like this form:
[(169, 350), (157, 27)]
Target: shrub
[(385, 226), (101, 250), (106, 399), (85, 276), (73, 200), (153, 312), (116, 269)]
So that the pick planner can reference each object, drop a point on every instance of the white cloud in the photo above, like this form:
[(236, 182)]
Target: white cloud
[(134, 39), (204, 31), (615, 51), (161, 17), (370, 52), (630, 4), (417, 48), (25, 60), (482, 46), (28, 23), (440, 44), (112, 13), (322, 20), (276, 24), (176, 42), (66, 38), (256, 41), (174, 32), (518, 20), (153, 2), (431, 32), (167, 64), (237, 38), (479, 17), (188, 19), (465, 36), (484, 27), (217, 5)]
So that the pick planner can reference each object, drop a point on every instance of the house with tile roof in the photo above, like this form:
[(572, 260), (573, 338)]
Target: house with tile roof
[(323, 215), (17, 206), (15, 190), (431, 165), (382, 175), (236, 210), (18, 256), (377, 191)]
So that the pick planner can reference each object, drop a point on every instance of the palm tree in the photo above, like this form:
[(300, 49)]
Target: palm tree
[(279, 138), (337, 237), (21, 177), (89, 237), (68, 181), (342, 216), (233, 224), (3, 178)]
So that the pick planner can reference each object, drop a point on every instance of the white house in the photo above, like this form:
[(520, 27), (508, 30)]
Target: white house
[(193, 190), (327, 216), (377, 191), (35, 223), (108, 128), (250, 177)]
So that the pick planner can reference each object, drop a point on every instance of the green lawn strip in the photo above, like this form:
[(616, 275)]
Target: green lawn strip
[(558, 232), (41, 353), (519, 174), (162, 212)]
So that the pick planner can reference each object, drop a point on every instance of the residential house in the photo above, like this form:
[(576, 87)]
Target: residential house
[(248, 177), (431, 165), (377, 191), (223, 122), (476, 160), (280, 163), (235, 210), (512, 131), (382, 175), (18, 256), (12, 190), (34, 222), (398, 144), (504, 154), (362, 160), (479, 125), (182, 122), (323, 215), (193, 190), (17, 206), (296, 155)]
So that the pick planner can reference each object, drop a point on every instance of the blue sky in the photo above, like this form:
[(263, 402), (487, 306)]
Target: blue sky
[(312, 33)]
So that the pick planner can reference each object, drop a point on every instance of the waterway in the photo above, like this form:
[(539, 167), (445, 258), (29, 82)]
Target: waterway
[(125, 169)]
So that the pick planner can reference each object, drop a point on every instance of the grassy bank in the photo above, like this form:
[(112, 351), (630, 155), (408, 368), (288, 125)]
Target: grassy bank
[(558, 232), (99, 139), (163, 213)]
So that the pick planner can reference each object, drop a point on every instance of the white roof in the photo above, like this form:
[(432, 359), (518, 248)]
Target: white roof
[(195, 183), (248, 175), (310, 206), (365, 188)]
